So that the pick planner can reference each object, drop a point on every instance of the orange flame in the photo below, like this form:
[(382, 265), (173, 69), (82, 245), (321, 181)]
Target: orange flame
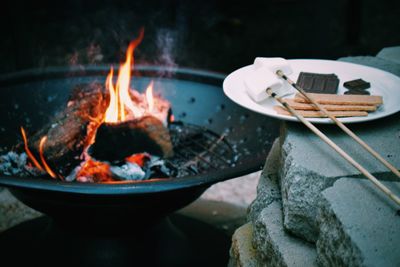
[(149, 97), (28, 151), (41, 154), (120, 99), (46, 166)]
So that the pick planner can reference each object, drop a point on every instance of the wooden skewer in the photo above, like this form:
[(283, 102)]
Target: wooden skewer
[(340, 124), (342, 153)]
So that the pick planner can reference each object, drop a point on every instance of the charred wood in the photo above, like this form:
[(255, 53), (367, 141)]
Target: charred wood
[(115, 142), (72, 129)]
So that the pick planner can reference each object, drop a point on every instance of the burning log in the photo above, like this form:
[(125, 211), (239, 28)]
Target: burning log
[(114, 124), (116, 141), (72, 129)]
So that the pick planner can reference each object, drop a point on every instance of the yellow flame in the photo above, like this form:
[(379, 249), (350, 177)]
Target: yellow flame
[(116, 111), (149, 97), (112, 110)]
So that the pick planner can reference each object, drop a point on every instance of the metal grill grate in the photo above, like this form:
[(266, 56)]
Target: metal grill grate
[(198, 150)]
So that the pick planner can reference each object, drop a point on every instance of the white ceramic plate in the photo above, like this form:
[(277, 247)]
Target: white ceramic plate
[(382, 83)]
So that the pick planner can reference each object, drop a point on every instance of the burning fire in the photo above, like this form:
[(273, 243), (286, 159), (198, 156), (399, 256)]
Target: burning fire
[(121, 104), (124, 104)]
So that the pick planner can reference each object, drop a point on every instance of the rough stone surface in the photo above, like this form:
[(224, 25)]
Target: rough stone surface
[(275, 246), (309, 166), (390, 54), (267, 190), (359, 225), (242, 252), (12, 211), (380, 63)]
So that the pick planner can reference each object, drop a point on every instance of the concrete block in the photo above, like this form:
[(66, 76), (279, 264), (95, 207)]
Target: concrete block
[(309, 166), (275, 246), (390, 54), (359, 225), (267, 188), (376, 62)]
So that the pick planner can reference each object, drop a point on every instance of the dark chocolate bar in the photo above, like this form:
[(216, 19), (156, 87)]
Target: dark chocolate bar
[(358, 84), (318, 83), (357, 92)]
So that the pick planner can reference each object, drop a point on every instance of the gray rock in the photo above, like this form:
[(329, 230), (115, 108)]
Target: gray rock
[(13, 212), (359, 225), (375, 62), (390, 54), (275, 246), (242, 253), (267, 189), (309, 166)]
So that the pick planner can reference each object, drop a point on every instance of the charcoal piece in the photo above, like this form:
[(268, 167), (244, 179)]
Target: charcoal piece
[(71, 129), (158, 168), (358, 84), (318, 83), (116, 141)]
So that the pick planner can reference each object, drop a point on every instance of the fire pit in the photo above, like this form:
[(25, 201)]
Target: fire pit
[(225, 141)]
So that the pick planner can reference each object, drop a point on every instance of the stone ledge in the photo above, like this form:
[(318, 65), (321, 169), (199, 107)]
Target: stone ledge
[(309, 166), (359, 225)]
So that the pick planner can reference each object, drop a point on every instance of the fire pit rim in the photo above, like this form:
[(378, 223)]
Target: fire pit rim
[(74, 71)]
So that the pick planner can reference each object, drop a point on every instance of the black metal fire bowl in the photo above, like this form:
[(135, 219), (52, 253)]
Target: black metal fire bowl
[(30, 98)]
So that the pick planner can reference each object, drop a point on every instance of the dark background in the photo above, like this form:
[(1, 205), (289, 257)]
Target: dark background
[(214, 35)]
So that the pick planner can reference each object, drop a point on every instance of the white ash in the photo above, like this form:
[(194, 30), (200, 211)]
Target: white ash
[(128, 171), (14, 164), (72, 176)]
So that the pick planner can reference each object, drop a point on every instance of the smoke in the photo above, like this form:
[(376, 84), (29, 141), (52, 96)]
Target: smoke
[(166, 45)]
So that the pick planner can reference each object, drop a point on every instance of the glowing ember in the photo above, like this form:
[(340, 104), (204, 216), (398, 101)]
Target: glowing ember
[(139, 159), (92, 170)]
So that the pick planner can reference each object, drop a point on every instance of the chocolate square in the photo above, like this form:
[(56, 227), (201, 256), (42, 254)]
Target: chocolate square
[(318, 83), (358, 84)]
